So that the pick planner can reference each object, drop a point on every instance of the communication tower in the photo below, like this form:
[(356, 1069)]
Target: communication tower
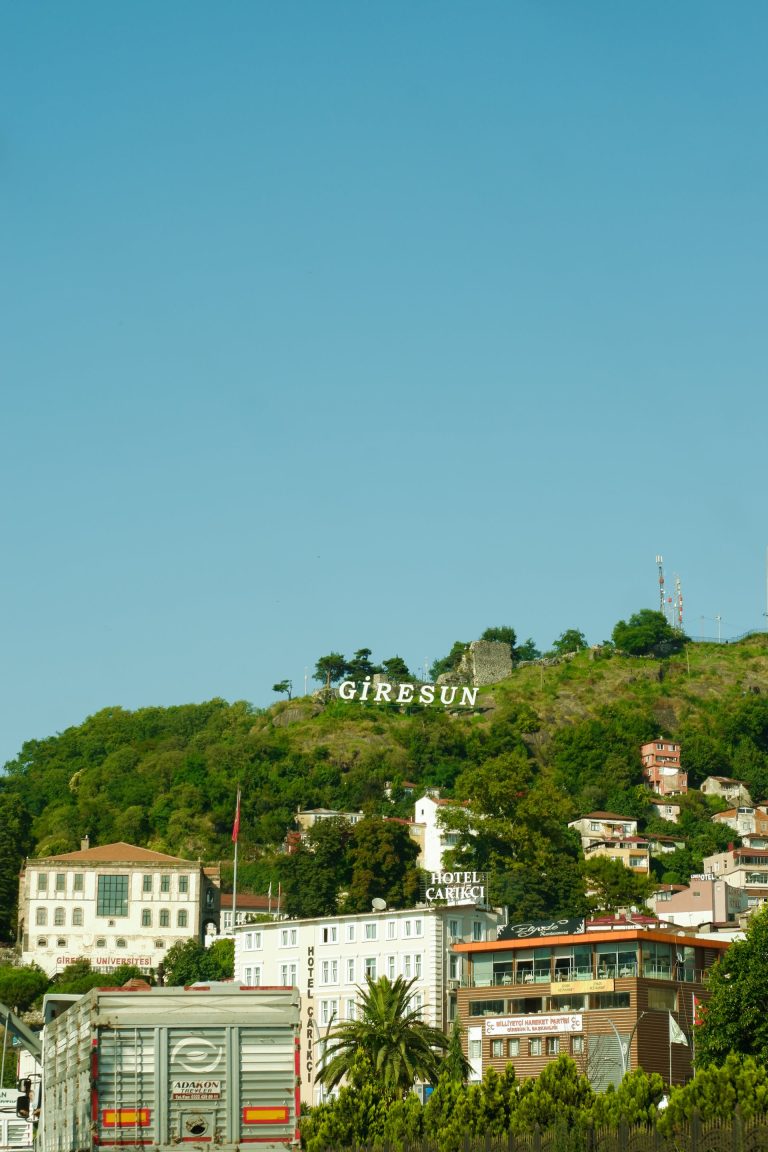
[(679, 604), (662, 606)]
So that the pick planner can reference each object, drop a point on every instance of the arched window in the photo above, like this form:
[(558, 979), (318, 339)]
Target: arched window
[(59, 917), (41, 916), (146, 918), (165, 917), (181, 919), (77, 917)]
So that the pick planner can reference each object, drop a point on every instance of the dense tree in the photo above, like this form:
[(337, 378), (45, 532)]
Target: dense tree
[(355, 1117), (450, 662), (560, 1093), (15, 825), (647, 633), (330, 668), (515, 826), (21, 985), (716, 1091), (569, 641), (360, 666), (391, 1034), (188, 962), (80, 977), (635, 1101), (382, 857), (502, 635), (734, 1019), (396, 669), (315, 873), (528, 650), (610, 885)]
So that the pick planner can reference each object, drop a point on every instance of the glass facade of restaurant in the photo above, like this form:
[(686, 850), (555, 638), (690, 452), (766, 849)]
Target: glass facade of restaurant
[(613, 959)]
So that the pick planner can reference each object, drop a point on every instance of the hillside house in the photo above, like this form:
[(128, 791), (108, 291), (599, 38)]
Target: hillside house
[(667, 808), (734, 792), (706, 900), (745, 821), (632, 851), (603, 827), (661, 767), (745, 868)]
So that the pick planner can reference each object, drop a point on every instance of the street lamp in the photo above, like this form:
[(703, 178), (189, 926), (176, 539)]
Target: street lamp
[(626, 1049)]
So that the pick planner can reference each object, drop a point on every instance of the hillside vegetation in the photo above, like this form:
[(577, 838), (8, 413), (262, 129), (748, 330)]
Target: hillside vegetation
[(550, 743)]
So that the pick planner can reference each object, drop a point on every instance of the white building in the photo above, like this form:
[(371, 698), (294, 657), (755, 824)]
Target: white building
[(428, 831), (329, 960), (745, 868), (667, 808), (602, 827), (114, 904), (747, 820), (706, 900), (734, 792)]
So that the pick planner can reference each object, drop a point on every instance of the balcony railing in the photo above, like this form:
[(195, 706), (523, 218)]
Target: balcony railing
[(651, 970)]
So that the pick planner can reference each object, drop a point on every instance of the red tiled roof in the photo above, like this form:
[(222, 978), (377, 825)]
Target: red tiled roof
[(607, 816), (119, 853), (247, 900)]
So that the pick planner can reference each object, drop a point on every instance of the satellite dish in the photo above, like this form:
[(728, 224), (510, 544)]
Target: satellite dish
[(378, 904)]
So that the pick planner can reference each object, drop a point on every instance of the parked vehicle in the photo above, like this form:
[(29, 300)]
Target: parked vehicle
[(212, 1067), (15, 1131)]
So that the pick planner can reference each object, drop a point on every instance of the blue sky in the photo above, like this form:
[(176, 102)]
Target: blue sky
[(331, 325)]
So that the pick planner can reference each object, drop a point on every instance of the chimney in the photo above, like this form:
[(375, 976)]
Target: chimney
[(85, 843)]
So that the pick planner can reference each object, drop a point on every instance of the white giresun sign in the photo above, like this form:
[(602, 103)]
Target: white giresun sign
[(444, 694)]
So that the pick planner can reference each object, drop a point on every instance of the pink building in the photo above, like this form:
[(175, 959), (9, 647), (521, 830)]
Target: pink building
[(661, 767), (706, 900)]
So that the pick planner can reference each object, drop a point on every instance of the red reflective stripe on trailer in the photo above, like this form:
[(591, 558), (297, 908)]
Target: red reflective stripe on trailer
[(265, 1114), (125, 1118)]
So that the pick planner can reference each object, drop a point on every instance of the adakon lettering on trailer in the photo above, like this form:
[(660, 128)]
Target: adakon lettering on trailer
[(408, 693)]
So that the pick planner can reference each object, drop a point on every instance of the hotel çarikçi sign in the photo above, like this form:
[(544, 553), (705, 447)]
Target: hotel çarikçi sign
[(457, 887), (382, 693)]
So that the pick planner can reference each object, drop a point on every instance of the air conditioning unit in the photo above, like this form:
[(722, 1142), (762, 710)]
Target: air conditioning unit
[(457, 940), (453, 985)]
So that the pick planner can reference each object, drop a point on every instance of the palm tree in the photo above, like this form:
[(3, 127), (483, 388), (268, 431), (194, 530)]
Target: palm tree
[(390, 1035)]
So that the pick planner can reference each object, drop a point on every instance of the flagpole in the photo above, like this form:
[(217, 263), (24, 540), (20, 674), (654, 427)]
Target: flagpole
[(235, 837), (669, 1029)]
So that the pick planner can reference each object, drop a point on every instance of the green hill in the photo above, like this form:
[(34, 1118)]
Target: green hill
[(568, 732)]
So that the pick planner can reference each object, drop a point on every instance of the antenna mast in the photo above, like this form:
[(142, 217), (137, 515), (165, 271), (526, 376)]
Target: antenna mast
[(662, 606), (679, 603)]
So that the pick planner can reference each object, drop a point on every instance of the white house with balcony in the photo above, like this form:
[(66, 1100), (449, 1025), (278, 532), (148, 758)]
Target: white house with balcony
[(330, 958), (112, 904), (603, 827)]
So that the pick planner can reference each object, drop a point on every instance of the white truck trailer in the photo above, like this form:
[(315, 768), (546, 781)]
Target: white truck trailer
[(209, 1068)]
